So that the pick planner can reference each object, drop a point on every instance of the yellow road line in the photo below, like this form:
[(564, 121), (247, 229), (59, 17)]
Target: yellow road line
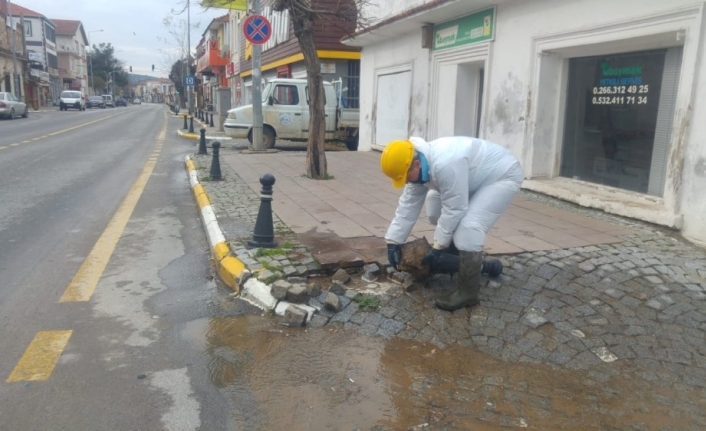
[(80, 125), (39, 360), (86, 279)]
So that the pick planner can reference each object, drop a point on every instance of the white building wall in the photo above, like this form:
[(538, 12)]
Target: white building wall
[(400, 54), (526, 69)]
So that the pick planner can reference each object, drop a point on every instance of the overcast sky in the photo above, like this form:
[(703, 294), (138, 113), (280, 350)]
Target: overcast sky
[(134, 27)]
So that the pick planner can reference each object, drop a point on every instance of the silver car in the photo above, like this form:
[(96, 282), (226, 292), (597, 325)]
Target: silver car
[(11, 106)]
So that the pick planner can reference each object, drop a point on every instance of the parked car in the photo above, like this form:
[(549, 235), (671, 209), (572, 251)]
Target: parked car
[(137, 101), (95, 102), (11, 106), (108, 99), (70, 99), (120, 102)]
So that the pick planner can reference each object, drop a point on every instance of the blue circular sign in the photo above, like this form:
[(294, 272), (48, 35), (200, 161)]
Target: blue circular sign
[(257, 29)]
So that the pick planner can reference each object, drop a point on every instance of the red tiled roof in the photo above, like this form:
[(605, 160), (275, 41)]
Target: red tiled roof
[(66, 27), (19, 10)]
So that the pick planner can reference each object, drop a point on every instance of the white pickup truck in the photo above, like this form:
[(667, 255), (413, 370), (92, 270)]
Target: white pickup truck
[(285, 114)]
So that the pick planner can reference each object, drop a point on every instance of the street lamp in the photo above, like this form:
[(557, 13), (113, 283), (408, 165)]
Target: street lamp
[(90, 59)]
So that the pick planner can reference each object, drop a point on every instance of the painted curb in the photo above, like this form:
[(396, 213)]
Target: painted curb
[(195, 136), (229, 268)]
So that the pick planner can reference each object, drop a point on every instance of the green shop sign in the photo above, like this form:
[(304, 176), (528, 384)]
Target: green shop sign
[(473, 28)]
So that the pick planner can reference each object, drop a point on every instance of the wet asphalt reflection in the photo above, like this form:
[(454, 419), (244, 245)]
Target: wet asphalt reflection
[(332, 379)]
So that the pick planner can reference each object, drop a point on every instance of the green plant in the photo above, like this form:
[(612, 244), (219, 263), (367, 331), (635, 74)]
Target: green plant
[(367, 302), (272, 278), (205, 179), (269, 252)]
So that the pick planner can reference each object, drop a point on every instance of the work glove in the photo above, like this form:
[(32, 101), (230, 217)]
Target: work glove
[(433, 259), (394, 254)]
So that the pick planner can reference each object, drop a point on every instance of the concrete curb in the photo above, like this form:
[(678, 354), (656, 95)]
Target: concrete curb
[(197, 136), (229, 268)]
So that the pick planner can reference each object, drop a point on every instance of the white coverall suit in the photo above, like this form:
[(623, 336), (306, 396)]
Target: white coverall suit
[(471, 182)]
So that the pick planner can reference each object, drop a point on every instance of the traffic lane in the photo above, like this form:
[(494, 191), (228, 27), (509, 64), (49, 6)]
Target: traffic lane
[(39, 124), (127, 349), (58, 197)]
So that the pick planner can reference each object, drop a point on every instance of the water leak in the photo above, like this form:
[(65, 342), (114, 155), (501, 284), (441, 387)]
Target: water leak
[(332, 379)]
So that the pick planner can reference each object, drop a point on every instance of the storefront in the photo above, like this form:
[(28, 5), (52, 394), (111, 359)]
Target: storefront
[(599, 107)]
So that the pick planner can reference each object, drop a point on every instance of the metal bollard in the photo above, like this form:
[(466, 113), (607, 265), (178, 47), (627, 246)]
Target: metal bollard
[(264, 231), (191, 124), (185, 126), (211, 123), (215, 163), (202, 142)]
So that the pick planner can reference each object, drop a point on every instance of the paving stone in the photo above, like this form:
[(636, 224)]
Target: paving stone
[(390, 327), (534, 320)]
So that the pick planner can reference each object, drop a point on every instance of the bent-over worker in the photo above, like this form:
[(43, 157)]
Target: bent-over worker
[(466, 183)]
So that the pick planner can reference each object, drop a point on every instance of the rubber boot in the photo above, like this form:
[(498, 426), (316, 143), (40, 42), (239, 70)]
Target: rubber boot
[(468, 284), (492, 267)]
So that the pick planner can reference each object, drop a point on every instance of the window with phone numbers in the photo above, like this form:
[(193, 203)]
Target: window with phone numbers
[(618, 119)]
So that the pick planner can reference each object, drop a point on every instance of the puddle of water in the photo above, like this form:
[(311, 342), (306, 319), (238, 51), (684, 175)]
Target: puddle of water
[(330, 379)]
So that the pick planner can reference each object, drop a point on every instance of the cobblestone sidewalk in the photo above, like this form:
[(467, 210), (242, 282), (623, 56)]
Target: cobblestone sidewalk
[(640, 303)]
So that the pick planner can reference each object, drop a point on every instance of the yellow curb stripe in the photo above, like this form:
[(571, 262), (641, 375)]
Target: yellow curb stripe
[(39, 360), (86, 279), (190, 165), (230, 269), (220, 251), (201, 196)]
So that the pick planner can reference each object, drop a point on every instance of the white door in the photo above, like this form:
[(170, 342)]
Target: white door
[(459, 100), (285, 113), (392, 107)]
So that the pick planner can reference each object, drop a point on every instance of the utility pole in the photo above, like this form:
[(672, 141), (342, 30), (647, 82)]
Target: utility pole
[(15, 80), (188, 52), (90, 60), (256, 89)]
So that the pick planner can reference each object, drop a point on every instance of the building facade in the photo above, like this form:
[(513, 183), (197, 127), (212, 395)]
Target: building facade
[(212, 56), (282, 57), (12, 67), (71, 44), (601, 109), (40, 43)]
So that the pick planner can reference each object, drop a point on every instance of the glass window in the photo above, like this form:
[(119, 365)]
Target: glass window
[(28, 28), (611, 118), (286, 95)]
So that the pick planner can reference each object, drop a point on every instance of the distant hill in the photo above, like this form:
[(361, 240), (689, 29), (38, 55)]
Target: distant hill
[(134, 78)]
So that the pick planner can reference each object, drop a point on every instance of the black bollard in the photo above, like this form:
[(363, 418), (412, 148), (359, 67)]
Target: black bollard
[(215, 163), (185, 125), (191, 124), (211, 123), (201, 114), (202, 142), (264, 231)]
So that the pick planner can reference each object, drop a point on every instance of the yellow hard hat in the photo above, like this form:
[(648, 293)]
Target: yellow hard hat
[(395, 161)]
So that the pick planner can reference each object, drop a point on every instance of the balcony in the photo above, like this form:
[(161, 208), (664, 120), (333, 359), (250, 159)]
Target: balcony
[(212, 59)]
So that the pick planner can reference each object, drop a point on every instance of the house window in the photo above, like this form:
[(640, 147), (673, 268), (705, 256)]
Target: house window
[(28, 28), (619, 119)]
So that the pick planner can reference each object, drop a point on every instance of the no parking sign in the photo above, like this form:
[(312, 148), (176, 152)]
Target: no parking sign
[(257, 29)]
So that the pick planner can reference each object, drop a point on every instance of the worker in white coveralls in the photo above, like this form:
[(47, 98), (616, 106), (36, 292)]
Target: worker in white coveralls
[(466, 184)]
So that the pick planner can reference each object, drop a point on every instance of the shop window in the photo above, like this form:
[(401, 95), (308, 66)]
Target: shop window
[(286, 95), (618, 122)]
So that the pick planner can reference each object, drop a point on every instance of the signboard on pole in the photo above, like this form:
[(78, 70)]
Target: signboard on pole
[(190, 80), (226, 4), (257, 29)]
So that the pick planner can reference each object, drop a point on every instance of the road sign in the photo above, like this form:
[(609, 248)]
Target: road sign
[(190, 80), (257, 29)]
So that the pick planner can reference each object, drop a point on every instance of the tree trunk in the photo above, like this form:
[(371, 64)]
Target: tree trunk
[(315, 153)]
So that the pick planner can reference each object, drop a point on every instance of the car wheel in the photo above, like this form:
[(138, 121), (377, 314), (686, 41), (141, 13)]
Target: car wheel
[(26, 114), (268, 138), (12, 114)]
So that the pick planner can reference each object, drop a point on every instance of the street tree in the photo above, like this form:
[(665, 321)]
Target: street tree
[(308, 16), (106, 64), (177, 50)]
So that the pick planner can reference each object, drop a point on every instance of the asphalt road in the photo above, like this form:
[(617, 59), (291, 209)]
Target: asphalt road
[(103, 260)]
